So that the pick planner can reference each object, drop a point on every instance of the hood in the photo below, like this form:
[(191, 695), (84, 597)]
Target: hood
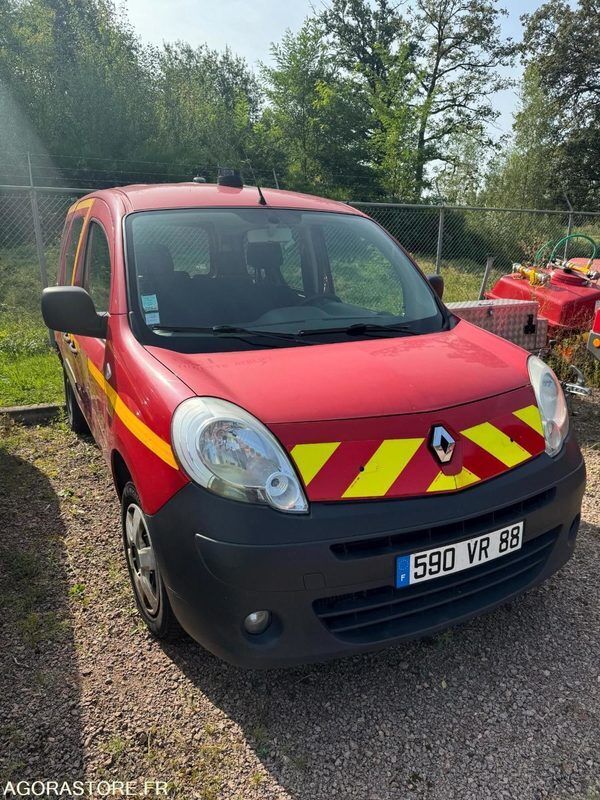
[(366, 378)]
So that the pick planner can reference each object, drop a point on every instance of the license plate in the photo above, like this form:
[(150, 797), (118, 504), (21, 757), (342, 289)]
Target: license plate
[(439, 561)]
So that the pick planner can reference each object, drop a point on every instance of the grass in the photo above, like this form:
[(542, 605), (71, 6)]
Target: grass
[(29, 369)]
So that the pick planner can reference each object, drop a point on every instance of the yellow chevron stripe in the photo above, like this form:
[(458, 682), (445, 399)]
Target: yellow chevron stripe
[(310, 458), (384, 466), (531, 416), (446, 483), (139, 429), (497, 443)]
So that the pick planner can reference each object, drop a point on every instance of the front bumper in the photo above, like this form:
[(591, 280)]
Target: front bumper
[(328, 576)]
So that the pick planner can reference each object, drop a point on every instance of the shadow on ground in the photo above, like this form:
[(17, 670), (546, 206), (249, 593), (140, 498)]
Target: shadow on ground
[(40, 732), (506, 705)]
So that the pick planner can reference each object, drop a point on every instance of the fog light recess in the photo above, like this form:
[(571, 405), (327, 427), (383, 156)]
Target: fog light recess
[(574, 529), (257, 622)]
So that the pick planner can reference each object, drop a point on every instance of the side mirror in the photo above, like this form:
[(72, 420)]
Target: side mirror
[(70, 309), (437, 284)]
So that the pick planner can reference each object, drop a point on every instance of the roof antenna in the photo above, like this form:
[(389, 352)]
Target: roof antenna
[(261, 197)]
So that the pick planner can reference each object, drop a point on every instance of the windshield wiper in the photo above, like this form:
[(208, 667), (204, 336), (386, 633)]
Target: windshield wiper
[(360, 328), (219, 330)]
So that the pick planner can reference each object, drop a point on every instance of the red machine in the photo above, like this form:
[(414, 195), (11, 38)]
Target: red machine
[(567, 291), (593, 343)]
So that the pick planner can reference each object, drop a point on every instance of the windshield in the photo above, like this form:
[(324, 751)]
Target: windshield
[(281, 276)]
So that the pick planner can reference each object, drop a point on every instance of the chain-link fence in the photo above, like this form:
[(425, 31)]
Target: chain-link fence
[(31, 222), (456, 241)]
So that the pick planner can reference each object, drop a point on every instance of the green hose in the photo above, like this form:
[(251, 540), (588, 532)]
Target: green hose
[(566, 239), (538, 256)]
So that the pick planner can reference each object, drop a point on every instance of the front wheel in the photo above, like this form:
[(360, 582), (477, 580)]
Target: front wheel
[(146, 581)]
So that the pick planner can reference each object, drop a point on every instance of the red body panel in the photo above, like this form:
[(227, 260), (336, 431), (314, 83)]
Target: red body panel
[(565, 304), (360, 439), (190, 195), (357, 393), (368, 378)]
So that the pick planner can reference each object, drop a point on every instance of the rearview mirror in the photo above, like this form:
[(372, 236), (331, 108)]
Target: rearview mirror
[(437, 284), (70, 309)]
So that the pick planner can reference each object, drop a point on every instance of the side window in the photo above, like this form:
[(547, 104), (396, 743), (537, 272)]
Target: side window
[(70, 250), (97, 267)]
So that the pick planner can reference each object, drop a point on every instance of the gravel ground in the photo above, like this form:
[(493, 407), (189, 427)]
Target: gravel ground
[(507, 706)]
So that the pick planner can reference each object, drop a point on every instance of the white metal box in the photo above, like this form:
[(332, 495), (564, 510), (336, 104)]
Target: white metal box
[(515, 320)]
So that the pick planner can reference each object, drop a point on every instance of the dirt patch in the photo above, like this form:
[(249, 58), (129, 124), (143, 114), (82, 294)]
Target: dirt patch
[(506, 706)]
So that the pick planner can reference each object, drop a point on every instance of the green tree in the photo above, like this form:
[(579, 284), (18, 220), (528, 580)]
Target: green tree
[(459, 54), (316, 116), (431, 73), (365, 38), (461, 179), (206, 105), (78, 74), (562, 40), (523, 175)]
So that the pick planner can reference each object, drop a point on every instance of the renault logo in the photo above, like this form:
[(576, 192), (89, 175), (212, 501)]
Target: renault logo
[(442, 444)]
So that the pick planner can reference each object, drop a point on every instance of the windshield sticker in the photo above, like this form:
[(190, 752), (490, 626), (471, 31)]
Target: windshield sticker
[(153, 319), (149, 302)]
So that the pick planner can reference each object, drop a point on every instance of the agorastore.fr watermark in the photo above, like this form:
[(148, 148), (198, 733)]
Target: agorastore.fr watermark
[(88, 789)]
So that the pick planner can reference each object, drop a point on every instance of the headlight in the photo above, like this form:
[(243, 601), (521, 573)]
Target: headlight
[(227, 450), (551, 403)]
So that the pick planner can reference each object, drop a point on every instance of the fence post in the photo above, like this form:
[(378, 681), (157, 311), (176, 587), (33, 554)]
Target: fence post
[(275, 179), (569, 225), (440, 239), (489, 263), (39, 239)]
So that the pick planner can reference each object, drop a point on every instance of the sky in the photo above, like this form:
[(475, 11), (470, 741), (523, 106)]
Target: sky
[(249, 27)]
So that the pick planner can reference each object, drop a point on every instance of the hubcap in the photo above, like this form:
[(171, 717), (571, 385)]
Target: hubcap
[(142, 562)]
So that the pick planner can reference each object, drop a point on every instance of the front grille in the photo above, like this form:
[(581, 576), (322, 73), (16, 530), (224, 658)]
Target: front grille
[(439, 535), (384, 613)]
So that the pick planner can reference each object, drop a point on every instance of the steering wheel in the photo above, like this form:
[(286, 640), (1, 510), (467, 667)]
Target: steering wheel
[(315, 298)]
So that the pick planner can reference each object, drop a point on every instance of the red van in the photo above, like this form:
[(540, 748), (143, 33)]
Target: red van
[(314, 456)]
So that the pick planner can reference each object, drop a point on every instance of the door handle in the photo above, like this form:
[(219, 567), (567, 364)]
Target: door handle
[(71, 343)]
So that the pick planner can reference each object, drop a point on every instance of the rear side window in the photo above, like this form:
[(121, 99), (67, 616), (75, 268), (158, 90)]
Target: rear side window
[(71, 250), (97, 267)]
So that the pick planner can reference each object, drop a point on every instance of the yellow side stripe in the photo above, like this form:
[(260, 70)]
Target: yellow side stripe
[(310, 458), (497, 443), (385, 465), (78, 204), (139, 429), (531, 416), (83, 204), (445, 483)]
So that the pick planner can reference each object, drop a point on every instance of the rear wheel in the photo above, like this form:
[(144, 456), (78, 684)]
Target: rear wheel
[(75, 416), (146, 581)]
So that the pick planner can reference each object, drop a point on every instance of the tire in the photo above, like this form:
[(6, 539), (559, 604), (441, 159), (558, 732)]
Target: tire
[(75, 418), (147, 584)]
